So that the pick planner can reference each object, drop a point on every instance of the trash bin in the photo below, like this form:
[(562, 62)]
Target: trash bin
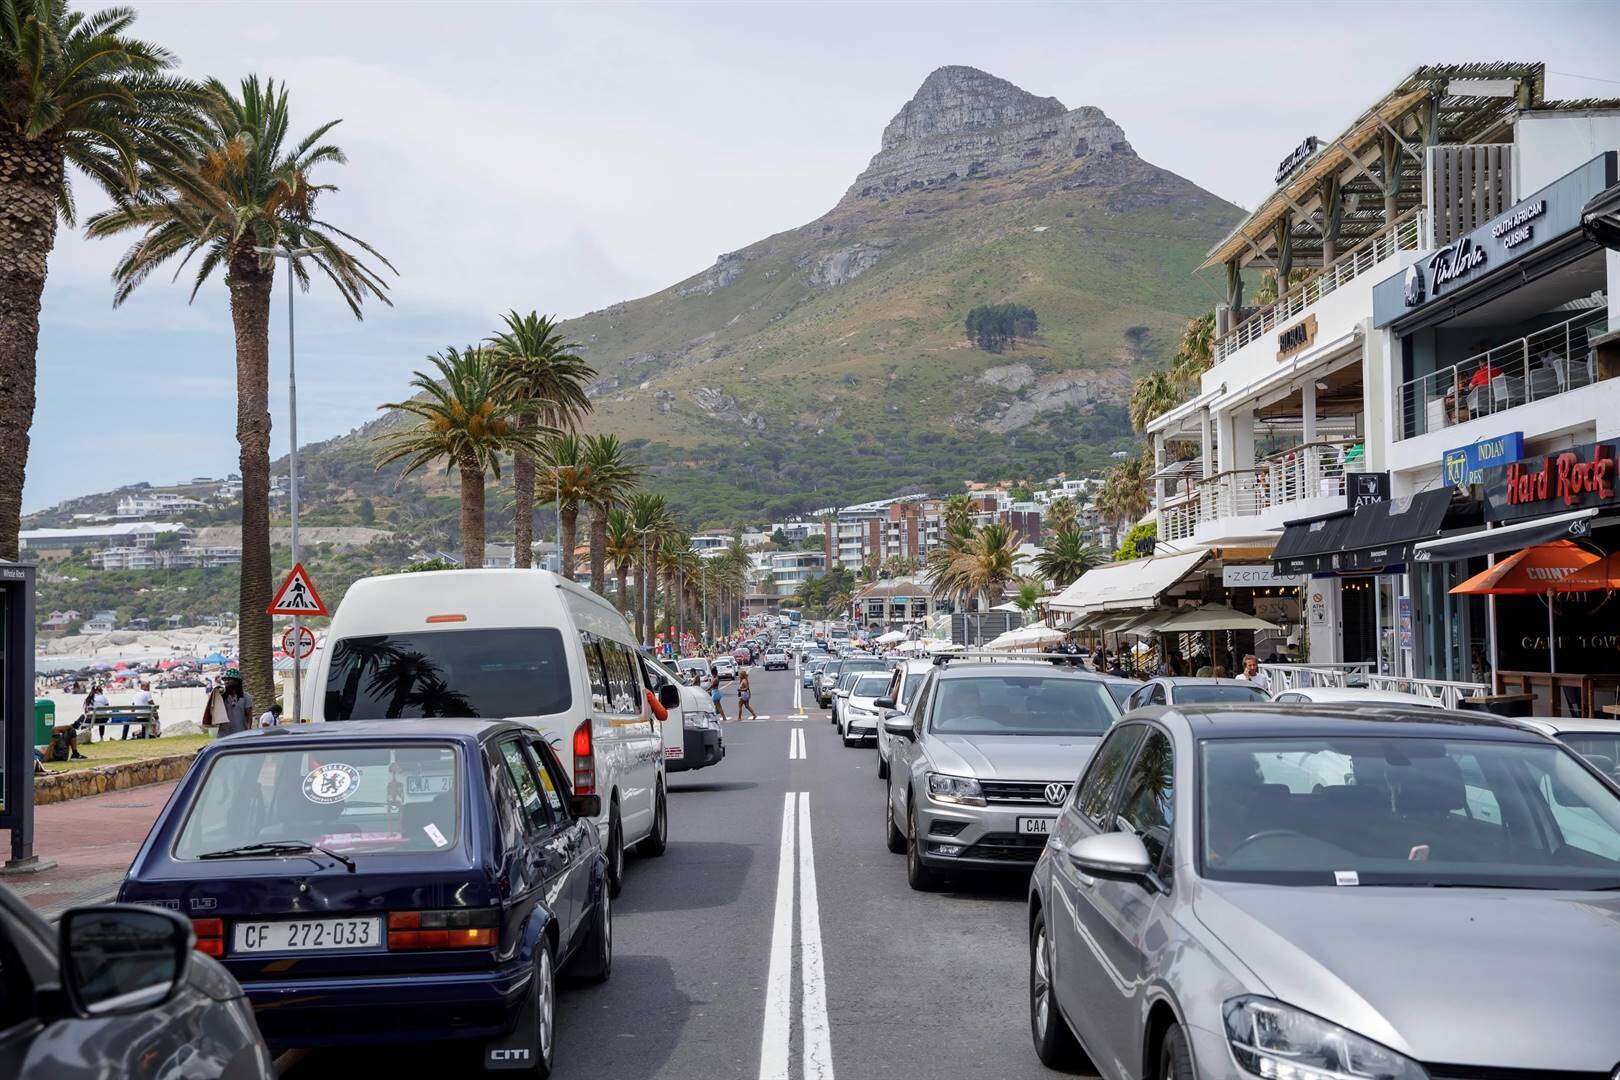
[(44, 720)]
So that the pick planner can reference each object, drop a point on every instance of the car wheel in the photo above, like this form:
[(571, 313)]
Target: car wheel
[(920, 877), (892, 837), (1175, 1056), (615, 852), (1055, 1044), (595, 962), (850, 742), (657, 841), (543, 1000)]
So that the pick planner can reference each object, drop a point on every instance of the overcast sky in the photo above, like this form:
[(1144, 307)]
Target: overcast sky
[(565, 157)]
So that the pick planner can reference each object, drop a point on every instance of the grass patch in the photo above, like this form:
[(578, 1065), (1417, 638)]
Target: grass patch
[(117, 751)]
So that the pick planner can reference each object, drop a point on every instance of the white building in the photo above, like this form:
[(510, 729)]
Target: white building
[(59, 543), (148, 504)]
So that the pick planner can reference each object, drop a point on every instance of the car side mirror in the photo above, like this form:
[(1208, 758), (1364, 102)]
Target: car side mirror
[(884, 703), (585, 806), (669, 696), (1119, 854), (898, 725), (118, 959)]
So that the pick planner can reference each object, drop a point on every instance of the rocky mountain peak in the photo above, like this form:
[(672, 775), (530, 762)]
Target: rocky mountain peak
[(965, 124)]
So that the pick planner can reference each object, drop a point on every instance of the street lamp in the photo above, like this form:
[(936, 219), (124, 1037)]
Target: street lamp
[(292, 254)]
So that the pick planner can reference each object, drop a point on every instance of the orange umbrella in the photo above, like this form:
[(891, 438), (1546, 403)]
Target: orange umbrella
[(1535, 571), (1599, 576)]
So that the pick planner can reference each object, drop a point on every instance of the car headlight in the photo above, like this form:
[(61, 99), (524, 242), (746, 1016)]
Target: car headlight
[(963, 790), (1279, 1042), (701, 721), (855, 712)]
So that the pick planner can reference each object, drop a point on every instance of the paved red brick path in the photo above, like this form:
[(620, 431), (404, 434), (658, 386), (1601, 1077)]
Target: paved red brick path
[(92, 841)]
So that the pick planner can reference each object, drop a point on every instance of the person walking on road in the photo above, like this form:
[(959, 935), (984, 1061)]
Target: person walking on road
[(743, 695), (229, 708), (712, 685)]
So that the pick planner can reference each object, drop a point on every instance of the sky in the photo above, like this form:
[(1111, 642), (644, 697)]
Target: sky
[(564, 157)]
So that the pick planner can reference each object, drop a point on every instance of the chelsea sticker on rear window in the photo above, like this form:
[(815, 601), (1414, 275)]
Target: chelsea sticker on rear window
[(331, 783)]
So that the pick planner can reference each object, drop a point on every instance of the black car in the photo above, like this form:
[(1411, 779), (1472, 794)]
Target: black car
[(380, 881)]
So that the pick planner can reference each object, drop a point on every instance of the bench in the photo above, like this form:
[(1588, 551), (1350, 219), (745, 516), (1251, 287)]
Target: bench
[(142, 717)]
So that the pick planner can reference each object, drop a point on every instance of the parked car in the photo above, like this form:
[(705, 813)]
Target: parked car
[(904, 683), (692, 736), (379, 881), (691, 669), (1184, 690), (1121, 689), (776, 660), (826, 679), (1353, 695), (1236, 891), (851, 669), (1596, 740), (859, 713), (982, 761), (724, 668), (115, 991), (811, 669), (520, 645)]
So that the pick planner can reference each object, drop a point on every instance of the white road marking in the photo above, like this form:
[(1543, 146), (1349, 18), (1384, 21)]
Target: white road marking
[(796, 747), (817, 1034), (778, 1031)]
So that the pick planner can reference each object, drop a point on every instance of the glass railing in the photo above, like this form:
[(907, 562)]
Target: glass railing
[(1541, 365)]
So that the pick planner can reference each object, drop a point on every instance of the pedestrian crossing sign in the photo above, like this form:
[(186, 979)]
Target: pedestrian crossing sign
[(297, 595)]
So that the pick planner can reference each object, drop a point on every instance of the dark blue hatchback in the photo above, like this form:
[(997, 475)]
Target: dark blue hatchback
[(367, 881)]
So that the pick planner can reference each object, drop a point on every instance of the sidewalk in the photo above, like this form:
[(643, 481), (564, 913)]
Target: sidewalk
[(92, 840)]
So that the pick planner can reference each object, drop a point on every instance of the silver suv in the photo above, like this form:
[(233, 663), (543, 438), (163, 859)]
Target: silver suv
[(980, 764)]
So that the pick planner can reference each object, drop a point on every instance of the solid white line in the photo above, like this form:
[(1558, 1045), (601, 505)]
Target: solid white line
[(817, 1034), (778, 1030)]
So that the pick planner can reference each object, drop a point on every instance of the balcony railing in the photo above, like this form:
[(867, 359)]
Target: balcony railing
[(1314, 470), (1405, 235), (1541, 365)]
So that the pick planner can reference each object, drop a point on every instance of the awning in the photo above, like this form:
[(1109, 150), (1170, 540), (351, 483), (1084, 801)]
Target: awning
[(1600, 218), (1570, 526), (1368, 540), (1213, 617), (1127, 586)]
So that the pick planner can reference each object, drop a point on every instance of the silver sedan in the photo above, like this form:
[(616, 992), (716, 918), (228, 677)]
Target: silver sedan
[(1240, 891)]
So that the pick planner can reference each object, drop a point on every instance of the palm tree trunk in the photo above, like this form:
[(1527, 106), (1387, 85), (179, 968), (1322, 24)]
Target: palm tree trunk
[(523, 501), (472, 513), (250, 287), (622, 571), (570, 536), (598, 535), (30, 174)]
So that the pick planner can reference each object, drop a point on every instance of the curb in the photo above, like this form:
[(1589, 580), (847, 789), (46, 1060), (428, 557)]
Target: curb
[(81, 783)]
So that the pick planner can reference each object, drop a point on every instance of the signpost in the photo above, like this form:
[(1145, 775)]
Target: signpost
[(297, 597), (298, 642)]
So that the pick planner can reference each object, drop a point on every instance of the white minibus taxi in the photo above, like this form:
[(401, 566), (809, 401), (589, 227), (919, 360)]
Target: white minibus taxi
[(520, 645)]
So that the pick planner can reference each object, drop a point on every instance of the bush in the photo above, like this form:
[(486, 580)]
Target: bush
[(1138, 543)]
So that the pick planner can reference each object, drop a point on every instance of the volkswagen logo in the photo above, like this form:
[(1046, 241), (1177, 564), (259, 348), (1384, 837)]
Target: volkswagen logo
[(1056, 793)]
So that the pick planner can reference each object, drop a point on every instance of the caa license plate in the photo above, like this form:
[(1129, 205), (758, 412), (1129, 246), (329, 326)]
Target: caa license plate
[(307, 935), (1035, 826)]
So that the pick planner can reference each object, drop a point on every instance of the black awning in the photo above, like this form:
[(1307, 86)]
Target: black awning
[(1600, 218), (1373, 538), (1571, 526)]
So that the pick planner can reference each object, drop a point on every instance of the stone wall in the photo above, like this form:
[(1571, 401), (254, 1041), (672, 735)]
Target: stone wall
[(59, 787)]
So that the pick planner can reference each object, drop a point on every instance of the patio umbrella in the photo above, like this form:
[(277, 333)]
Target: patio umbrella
[(1213, 617), (1543, 570)]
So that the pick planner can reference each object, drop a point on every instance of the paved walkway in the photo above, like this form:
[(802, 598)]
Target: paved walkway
[(92, 841)]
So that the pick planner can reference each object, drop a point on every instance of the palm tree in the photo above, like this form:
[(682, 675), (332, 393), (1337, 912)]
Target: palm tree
[(1062, 513), (1153, 394), (957, 511), (623, 546), (611, 479), (1066, 558), (565, 475), (986, 564), (1124, 494), (1028, 597), (466, 418), (75, 89), (546, 370), (236, 192), (1196, 353), (649, 520)]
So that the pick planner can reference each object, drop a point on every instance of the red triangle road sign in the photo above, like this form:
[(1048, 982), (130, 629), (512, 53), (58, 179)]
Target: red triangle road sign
[(297, 595)]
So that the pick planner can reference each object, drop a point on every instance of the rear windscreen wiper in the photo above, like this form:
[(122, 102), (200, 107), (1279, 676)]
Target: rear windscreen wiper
[(277, 847)]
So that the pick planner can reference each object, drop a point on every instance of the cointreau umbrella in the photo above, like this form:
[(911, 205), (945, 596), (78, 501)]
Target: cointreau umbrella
[(1543, 570)]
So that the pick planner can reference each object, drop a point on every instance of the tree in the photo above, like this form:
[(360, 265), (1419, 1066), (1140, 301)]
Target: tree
[(992, 326), (564, 476), (1196, 352), (1062, 513), (1067, 556), (986, 564), (1029, 595), (546, 371), (957, 512), (649, 521), (1136, 543), (623, 547), (1152, 395), (75, 90), (365, 511), (611, 479), (1124, 494), (232, 192), (465, 417)]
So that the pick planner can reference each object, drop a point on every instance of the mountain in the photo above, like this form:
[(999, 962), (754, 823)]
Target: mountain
[(830, 363)]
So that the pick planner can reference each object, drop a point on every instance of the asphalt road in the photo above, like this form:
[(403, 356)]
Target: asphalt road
[(871, 979)]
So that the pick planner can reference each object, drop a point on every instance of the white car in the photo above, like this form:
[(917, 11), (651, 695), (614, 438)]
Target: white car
[(776, 660), (904, 682), (858, 715), (691, 669), (522, 645), (1352, 695), (725, 667), (1596, 740), (692, 736)]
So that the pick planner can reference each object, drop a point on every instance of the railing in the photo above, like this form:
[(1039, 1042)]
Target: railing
[(1445, 691), (1298, 676), (1406, 234), (1311, 471), (1541, 365)]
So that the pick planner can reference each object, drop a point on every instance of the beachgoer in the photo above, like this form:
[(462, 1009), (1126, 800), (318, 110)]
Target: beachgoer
[(230, 707), (743, 694), (271, 717)]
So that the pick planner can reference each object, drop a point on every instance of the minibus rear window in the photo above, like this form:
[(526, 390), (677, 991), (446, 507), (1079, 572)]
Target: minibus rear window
[(451, 673)]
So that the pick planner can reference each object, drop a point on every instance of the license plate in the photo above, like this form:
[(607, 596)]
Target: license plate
[(307, 935), (1035, 826)]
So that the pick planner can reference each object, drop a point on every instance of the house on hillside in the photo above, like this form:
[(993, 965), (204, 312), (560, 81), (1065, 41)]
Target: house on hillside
[(101, 622)]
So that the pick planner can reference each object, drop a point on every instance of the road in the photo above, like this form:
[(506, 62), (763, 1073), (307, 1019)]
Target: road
[(882, 982)]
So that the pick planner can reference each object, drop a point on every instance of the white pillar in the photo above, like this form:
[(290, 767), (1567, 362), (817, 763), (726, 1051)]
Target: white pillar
[(1158, 466), (1307, 408), (1206, 442)]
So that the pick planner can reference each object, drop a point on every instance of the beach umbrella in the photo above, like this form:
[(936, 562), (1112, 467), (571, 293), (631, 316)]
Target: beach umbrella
[(1544, 570), (213, 658)]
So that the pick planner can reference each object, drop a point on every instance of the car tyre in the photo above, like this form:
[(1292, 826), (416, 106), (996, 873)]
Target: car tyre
[(919, 876), (1055, 1043), (1175, 1056), (615, 852), (595, 963), (543, 999), (856, 741), (893, 838), (657, 841)]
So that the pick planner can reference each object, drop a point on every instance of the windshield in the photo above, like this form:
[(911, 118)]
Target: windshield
[(1406, 811), (354, 799), (1601, 748), (491, 673), (872, 686), (1122, 690), (1207, 693), (1022, 705)]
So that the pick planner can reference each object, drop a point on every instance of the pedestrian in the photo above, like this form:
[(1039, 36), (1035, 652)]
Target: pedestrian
[(714, 693), (271, 717), (230, 707), (743, 695), (1251, 673), (144, 700)]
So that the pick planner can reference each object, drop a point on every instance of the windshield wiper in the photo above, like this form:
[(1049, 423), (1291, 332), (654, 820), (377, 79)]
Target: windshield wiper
[(277, 847)]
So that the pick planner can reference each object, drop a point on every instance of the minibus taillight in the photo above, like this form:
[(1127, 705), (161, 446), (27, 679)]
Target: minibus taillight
[(210, 936), (458, 928), (584, 760)]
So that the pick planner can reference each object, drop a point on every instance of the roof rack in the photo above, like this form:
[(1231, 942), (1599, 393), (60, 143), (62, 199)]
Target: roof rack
[(983, 657)]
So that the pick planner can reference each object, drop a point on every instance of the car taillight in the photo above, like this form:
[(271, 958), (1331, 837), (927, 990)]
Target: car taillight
[(584, 761), (210, 936), (458, 928)]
